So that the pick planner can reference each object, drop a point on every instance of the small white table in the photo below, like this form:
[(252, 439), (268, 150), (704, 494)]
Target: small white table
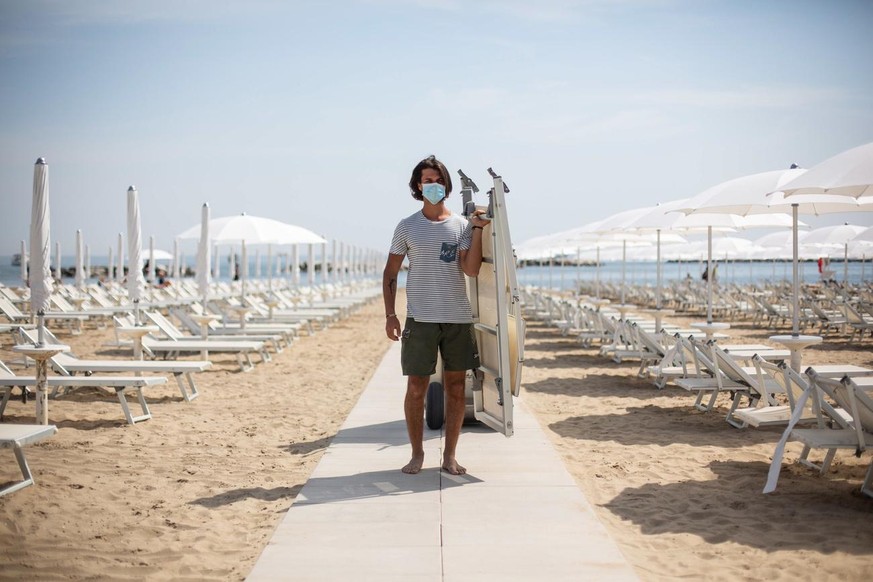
[(795, 344), (204, 320), (271, 304), (659, 315), (41, 354), (241, 312), (598, 303), (623, 308), (710, 328), (137, 332)]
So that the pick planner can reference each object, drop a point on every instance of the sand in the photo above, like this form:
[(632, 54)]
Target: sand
[(196, 492)]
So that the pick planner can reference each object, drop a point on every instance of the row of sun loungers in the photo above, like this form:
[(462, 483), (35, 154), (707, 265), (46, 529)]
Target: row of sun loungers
[(265, 321), (825, 407)]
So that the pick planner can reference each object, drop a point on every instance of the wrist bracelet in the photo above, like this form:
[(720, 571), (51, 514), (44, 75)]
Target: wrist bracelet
[(479, 227), (390, 315)]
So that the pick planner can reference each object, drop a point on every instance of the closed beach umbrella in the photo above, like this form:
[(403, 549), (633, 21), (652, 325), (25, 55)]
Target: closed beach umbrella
[(134, 249), (40, 243), (203, 255), (87, 273), (80, 261)]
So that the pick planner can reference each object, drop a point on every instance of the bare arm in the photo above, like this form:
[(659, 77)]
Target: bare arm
[(389, 295), (471, 259)]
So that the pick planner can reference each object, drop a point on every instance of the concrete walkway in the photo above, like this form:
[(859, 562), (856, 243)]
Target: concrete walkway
[(517, 514)]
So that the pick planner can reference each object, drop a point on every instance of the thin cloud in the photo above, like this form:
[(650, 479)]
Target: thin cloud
[(749, 97)]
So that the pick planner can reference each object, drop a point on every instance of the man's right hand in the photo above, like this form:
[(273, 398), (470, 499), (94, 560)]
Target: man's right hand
[(392, 328)]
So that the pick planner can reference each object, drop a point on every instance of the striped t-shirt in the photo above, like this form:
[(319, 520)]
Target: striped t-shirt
[(436, 291)]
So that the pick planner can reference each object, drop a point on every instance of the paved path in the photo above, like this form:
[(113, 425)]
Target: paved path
[(517, 514)]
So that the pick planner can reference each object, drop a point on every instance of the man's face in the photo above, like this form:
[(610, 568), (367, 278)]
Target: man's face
[(431, 176)]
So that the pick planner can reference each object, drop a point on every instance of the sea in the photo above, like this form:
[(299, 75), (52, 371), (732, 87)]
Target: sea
[(571, 276)]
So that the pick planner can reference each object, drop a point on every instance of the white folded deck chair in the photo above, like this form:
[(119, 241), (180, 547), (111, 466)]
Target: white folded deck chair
[(794, 385), (174, 333), (647, 348), (121, 385), (759, 385), (856, 320), (67, 364), (704, 357), (674, 363), (853, 434), (16, 437)]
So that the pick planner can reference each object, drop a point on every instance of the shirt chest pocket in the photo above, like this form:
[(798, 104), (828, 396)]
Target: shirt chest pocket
[(449, 252)]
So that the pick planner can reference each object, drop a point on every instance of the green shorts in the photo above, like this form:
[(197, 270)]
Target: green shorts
[(421, 341)]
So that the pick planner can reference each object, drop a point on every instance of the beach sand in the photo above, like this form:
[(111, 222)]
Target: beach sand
[(196, 492)]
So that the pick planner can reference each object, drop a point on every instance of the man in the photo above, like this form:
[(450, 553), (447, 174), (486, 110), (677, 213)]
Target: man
[(442, 247)]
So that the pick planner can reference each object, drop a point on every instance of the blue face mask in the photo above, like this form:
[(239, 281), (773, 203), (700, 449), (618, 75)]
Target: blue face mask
[(433, 192)]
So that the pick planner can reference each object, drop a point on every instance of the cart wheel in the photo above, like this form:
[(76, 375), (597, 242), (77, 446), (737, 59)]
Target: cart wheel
[(434, 406)]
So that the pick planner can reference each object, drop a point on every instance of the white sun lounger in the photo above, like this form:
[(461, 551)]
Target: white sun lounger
[(853, 434), (69, 365), (174, 333), (16, 437), (242, 349), (121, 385)]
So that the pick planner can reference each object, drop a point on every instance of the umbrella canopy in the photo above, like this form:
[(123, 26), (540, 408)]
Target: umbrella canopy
[(40, 243), (833, 236), (865, 235), (849, 173), (254, 230), (161, 255)]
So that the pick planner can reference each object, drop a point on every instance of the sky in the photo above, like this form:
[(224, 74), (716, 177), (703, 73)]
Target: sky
[(315, 113)]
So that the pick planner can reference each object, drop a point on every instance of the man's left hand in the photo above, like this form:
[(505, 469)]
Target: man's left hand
[(478, 218)]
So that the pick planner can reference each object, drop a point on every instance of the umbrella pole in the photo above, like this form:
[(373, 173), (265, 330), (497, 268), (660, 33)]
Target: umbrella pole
[(579, 270), (709, 274), (658, 258), (846, 265), (623, 256), (795, 282), (597, 274)]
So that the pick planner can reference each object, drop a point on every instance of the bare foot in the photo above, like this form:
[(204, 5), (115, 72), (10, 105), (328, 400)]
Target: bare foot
[(452, 467), (414, 465)]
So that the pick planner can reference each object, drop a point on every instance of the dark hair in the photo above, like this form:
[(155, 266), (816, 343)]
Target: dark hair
[(434, 164)]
